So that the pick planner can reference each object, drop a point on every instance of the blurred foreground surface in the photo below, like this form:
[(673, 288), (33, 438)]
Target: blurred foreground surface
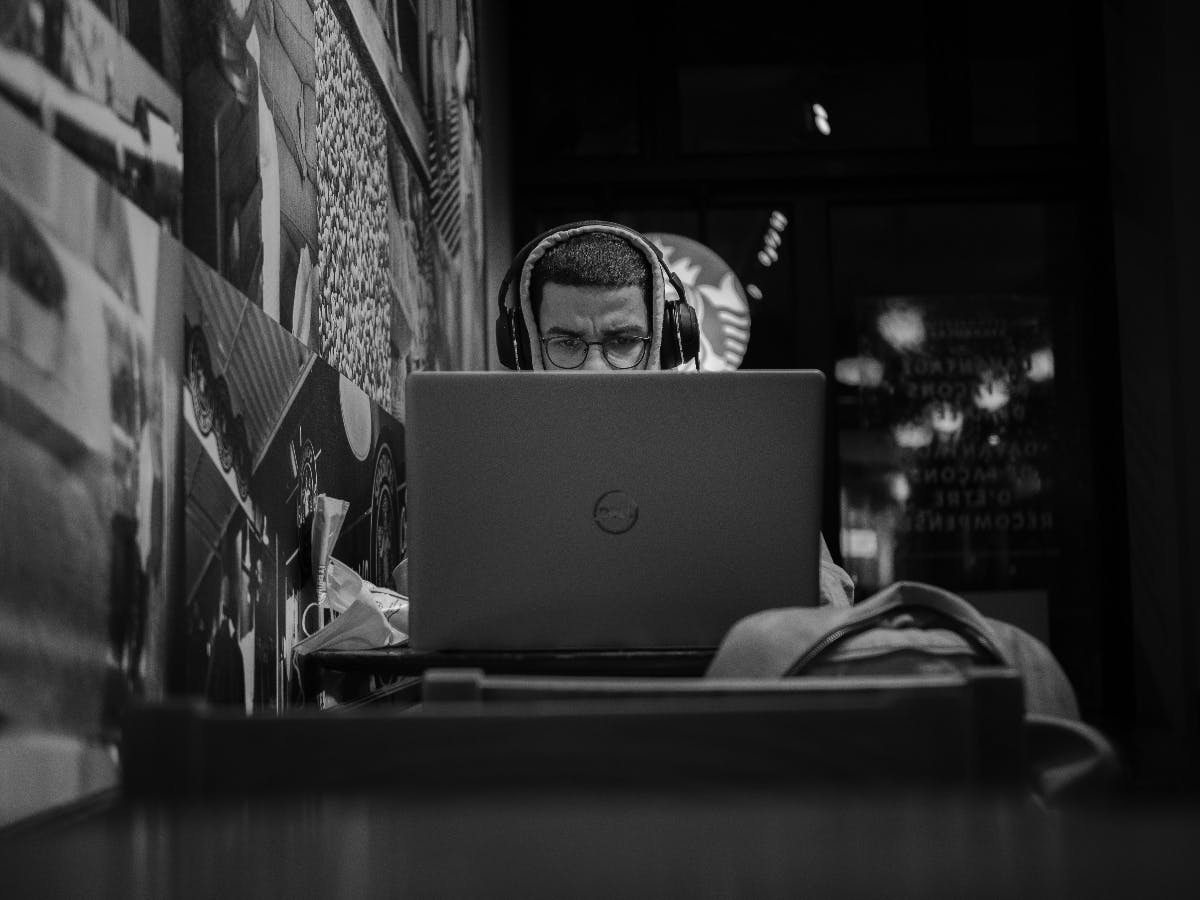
[(708, 843)]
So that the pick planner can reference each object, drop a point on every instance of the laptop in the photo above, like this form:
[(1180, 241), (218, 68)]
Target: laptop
[(608, 511)]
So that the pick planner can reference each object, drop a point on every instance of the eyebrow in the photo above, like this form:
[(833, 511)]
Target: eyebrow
[(631, 328)]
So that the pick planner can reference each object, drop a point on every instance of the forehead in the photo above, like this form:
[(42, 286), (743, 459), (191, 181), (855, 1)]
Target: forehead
[(583, 306)]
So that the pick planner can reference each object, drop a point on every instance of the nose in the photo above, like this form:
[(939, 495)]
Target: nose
[(594, 361)]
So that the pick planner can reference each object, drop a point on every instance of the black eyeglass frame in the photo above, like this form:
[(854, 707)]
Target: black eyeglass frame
[(603, 353)]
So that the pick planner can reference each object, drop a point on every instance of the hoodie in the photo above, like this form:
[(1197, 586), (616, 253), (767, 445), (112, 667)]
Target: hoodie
[(658, 284), (836, 586)]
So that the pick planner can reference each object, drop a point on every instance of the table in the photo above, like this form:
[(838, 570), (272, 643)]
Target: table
[(652, 843)]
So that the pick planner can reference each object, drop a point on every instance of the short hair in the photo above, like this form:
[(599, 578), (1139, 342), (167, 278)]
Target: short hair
[(591, 259)]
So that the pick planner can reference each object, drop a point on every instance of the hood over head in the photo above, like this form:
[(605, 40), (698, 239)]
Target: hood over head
[(656, 284)]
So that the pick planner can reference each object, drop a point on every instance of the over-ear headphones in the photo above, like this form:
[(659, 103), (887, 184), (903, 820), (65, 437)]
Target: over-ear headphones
[(680, 340)]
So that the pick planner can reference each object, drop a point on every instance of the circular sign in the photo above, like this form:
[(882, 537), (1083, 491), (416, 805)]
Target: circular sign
[(306, 482), (357, 417), (223, 423), (717, 296), (615, 512), (199, 380), (384, 515)]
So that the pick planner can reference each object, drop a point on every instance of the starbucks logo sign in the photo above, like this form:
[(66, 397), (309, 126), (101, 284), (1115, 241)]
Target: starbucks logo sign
[(716, 294)]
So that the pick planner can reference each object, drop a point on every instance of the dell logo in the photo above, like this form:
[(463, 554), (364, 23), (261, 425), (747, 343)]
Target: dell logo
[(615, 512)]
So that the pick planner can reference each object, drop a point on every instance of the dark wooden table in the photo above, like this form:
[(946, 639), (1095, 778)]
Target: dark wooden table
[(850, 791)]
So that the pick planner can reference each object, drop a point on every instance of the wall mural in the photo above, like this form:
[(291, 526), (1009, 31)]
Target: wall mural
[(78, 69), (89, 368), (354, 312), (408, 70), (271, 89), (231, 229), (269, 427)]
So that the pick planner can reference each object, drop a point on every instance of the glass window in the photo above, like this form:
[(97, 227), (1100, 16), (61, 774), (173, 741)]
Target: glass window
[(948, 417), (946, 436)]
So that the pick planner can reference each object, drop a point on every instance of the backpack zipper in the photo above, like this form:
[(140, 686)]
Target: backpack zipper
[(832, 637)]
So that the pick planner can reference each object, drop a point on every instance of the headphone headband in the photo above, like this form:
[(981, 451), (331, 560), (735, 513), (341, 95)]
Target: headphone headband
[(679, 312), (518, 262)]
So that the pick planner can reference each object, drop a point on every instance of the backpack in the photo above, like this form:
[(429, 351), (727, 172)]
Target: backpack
[(912, 628)]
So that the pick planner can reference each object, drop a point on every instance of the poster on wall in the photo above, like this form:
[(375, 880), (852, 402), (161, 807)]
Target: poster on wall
[(388, 37), (117, 77), (406, 70), (354, 308), (333, 231), (223, 195), (468, 293), (946, 442), (249, 88), (411, 277), (284, 45), (269, 426), (89, 353), (93, 76), (455, 162)]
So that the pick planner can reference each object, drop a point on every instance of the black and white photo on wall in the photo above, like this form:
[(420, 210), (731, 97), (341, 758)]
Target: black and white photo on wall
[(269, 427), (88, 374), (79, 69)]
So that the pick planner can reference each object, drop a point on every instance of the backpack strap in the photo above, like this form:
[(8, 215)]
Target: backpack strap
[(778, 643)]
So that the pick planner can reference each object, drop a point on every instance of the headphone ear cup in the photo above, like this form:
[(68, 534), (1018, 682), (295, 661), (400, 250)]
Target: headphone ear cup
[(510, 330), (523, 349), (689, 331), (668, 354), (504, 340), (681, 330)]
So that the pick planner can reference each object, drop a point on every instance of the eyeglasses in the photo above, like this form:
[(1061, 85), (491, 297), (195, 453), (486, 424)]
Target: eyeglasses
[(620, 351)]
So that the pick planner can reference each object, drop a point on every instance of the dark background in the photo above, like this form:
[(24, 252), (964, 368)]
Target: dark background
[(1032, 148)]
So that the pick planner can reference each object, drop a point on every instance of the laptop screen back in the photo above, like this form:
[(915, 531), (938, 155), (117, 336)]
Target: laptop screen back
[(597, 511)]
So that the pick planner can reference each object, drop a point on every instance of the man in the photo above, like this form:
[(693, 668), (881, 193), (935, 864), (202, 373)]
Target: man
[(592, 306), (593, 298)]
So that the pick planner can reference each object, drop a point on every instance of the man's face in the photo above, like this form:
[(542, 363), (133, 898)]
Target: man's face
[(615, 315)]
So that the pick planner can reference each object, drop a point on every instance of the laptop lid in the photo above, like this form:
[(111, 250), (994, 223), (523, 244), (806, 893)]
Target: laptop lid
[(588, 511)]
